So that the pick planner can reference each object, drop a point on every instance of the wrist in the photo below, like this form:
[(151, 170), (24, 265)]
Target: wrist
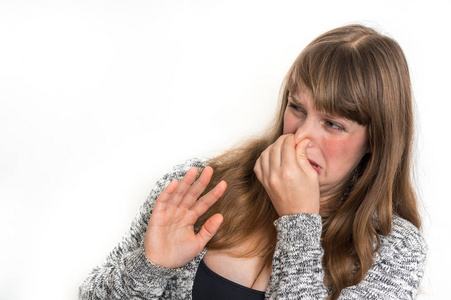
[(300, 228)]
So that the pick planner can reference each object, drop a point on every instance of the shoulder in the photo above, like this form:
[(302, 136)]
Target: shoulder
[(179, 170), (406, 234), (398, 265), (404, 240)]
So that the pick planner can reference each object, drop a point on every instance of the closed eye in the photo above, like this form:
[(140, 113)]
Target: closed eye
[(334, 126), (296, 108)]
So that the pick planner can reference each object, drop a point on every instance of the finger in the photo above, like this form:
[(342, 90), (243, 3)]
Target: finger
[(160, 203), (197, 188), (270, 158), (301, 156), (264, 161), (258, 169), (205, 202), (275, 152), (209, 229), (289, 151), (183, 187)]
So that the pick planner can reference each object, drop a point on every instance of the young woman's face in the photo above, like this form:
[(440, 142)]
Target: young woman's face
[(336, 144)]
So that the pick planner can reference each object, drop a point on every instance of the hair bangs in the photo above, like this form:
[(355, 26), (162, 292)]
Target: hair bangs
[(334, 76)]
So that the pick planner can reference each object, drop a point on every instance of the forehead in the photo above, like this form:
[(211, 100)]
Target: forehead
[(304, 97), (300, 94)]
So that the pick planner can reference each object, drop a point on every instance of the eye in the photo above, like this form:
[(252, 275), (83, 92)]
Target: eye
[(291, 105), (296, 108), (334, 126)]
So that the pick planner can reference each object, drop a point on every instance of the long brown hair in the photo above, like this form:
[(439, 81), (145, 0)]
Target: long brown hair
[(352, 72)]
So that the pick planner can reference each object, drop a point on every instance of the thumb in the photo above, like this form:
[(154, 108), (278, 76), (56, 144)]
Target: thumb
[(209, 229)]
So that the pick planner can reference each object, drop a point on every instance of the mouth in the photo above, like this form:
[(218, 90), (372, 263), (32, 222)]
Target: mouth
[(315, 166)]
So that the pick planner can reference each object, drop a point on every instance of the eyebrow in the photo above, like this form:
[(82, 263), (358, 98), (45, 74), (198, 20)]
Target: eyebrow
[(325, 114), (298, 102), (294, 99)]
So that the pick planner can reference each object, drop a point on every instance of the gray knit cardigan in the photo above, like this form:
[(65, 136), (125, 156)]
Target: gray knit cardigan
[(296, 267)]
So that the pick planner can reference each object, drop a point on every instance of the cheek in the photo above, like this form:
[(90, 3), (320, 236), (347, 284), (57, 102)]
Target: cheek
[(289, 124), (333, 149), (343, 153)]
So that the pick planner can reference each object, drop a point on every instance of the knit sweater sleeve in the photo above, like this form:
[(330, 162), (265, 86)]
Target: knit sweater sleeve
[(297, 270), (127, 273), (398, 266)]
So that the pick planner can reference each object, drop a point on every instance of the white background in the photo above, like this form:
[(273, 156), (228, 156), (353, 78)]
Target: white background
[(99, 98)]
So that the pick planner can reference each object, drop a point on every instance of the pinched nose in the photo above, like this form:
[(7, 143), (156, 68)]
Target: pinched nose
[(303, 132)]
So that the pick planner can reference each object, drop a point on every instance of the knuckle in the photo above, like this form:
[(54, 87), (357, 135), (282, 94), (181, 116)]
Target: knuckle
[(271, 151), (192, 193), (288, 139), (266, 152), (204, 205), (282, 137), (286, 173), (257, 170), (273, 182), (179, 193), (302, 155)]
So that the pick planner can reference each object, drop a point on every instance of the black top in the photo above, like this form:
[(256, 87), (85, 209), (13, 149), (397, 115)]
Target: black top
[(209, 285)]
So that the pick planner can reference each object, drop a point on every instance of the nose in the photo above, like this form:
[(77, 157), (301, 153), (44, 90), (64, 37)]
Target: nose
[(306, 130)]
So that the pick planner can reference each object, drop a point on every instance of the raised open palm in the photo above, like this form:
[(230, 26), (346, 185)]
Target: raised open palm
[(170, 239)]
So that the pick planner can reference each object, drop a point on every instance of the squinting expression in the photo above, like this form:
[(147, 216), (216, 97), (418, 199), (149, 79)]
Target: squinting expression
[(336, 144)]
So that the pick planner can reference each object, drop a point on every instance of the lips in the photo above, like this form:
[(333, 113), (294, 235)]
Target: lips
[(315, 166)]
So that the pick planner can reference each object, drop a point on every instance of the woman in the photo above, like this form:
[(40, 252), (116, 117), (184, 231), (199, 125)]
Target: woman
[(321, 207)]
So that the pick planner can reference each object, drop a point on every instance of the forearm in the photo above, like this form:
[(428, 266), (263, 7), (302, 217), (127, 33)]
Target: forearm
[(130, 276), (297, 272), (126, 268), (127, 272)]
